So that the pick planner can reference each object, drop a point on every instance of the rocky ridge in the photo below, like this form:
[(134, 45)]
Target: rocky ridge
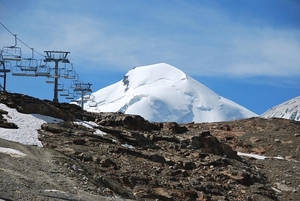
[(131, 158)]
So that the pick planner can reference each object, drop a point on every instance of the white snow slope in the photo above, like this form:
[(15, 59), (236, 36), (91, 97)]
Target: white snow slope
[(287, 110), (163, 93), (28, 124)]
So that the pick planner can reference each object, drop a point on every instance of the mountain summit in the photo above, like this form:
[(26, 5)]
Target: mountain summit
[(163, 93), (287, 110)]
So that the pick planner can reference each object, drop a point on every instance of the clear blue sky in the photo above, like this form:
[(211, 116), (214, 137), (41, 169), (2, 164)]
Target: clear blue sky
[(245, 50)]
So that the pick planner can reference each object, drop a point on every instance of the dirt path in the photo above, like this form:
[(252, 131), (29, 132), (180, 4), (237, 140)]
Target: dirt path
[(41, 175)]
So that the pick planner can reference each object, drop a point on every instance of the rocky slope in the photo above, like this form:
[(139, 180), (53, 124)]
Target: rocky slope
[(134, 159)]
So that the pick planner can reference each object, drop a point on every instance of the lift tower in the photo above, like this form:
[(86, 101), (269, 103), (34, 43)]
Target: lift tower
[(56, 56), (82, 89), (3, 72)]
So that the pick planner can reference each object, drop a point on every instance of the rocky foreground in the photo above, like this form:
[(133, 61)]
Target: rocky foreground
[(113, 156)]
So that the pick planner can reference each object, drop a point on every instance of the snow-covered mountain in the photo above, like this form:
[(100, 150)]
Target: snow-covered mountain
[(287, 110), (163, 93)]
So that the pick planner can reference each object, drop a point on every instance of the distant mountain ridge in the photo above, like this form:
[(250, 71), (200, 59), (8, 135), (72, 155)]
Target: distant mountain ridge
[(163, 93), (288, 110)]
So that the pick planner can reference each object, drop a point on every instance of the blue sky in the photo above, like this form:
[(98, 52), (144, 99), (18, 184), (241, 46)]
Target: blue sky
[(245, 50)]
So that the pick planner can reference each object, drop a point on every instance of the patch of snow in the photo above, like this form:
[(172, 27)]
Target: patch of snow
[(12, 152), (99, 132), (91, 125), (252, 155), (276, 190), (28, 124), (260, 157), (128, 146), (53, 190)]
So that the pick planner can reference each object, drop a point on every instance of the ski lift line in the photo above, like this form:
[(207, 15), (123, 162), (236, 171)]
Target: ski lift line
[(20, 40), (14, 17), (6, 28), (30, 47)]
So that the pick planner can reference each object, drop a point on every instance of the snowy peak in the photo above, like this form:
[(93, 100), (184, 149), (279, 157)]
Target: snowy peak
[(287, 110), (151, 74), (163, 93)]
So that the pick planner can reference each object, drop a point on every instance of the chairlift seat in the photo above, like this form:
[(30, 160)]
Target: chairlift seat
[(18, 74), (93, 104), (11, 53), (42, 73), (4, 70), (25, 68)]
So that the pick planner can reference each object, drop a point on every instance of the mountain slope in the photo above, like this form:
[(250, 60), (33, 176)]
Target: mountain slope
[(163, 93), (287, 110)]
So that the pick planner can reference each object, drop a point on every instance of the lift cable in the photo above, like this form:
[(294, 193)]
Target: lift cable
[(20, 40), (21, 23)]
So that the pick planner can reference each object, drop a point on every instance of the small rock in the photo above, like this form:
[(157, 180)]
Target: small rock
[(277, 140)]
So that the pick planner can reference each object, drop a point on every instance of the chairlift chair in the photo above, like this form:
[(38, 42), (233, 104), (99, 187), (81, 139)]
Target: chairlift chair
[(70, 74), (86, 96), (43, 70), (17, 71), (30, 73), (60, 87), (11, 53), (65, 92), (49, 80), (72, 97), (6, 66), (92, 104), (54, 74), (28, 64), (75, 84)]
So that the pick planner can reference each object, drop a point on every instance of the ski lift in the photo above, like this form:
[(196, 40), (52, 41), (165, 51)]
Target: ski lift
[(17, 71), (92, 103), (3, 72), (60, 87), (86, 97), (11, 53), (65, 92), (43, 70), (70, 73), (28, 64), (75, 83), (72, 97), (49, 80), (54, 73), (6, 66)]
